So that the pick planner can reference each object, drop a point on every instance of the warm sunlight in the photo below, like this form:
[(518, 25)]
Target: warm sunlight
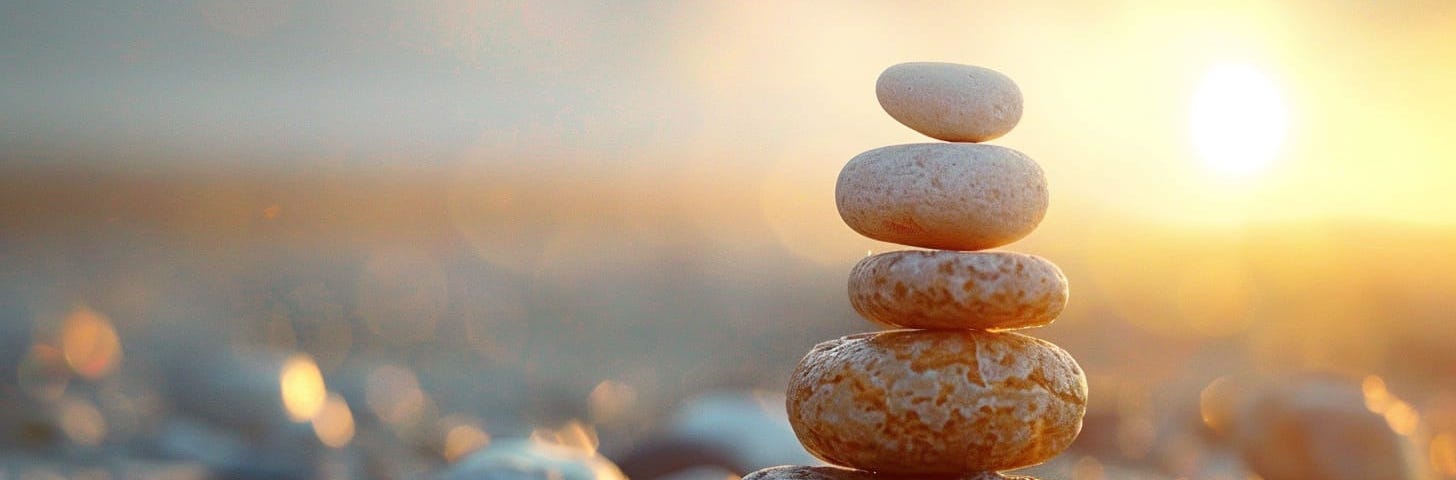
[(1237, 119)]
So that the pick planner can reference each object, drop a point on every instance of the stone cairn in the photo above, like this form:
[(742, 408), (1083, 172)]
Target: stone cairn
[(951, 393)]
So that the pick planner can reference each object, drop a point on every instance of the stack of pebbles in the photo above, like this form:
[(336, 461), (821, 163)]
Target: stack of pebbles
[(951, 394)]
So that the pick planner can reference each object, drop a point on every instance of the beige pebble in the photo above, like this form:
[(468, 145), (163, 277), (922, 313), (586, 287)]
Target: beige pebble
[(966, 290), (798, 472), (952, 196), (936, 402), (951, 102)]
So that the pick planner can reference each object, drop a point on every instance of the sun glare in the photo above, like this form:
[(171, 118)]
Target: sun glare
[(1238, 119)]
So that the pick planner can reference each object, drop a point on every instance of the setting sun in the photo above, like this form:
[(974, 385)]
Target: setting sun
[(1238, 119)]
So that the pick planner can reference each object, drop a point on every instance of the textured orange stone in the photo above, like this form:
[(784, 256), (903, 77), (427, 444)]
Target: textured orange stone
[(958, 290), (936, 402), (797, 472)]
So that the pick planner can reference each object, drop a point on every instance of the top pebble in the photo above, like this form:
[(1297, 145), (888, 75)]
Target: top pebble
[(951, 102)]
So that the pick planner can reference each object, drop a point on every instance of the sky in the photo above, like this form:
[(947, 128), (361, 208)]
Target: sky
[(712, 98)]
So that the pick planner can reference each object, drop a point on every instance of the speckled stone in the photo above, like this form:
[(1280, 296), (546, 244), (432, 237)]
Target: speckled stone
[(951, 102), (958, 290), (950, 196), (936, 402), (796, 472)]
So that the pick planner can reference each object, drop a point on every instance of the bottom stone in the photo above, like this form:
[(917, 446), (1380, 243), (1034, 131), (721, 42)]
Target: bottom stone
[(799, 472), (936, 402)]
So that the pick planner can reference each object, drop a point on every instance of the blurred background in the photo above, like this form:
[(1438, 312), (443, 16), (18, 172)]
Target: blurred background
[(364, 239)]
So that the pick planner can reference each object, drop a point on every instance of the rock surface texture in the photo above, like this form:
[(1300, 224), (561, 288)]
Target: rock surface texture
[(954, 196), (956, 396), (958, 290), (937, 401), (945, 101)]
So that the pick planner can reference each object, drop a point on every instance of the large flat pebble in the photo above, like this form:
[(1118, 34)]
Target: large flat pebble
[(936, 402), (951, 196), (951, 102), (958, 290)]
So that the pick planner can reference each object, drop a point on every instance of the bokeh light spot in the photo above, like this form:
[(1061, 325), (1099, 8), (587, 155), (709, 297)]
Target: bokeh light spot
[(1377, 398), (1403, 418), (82, 422), (462, 439), (90, 344), (334, 423), (303, 388), (1218, 402)]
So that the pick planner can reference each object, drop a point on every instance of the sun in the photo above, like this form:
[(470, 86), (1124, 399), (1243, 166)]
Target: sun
[(1238, 119)]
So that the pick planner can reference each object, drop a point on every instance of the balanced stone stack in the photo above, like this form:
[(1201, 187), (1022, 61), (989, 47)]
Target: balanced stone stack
[(950, 393)]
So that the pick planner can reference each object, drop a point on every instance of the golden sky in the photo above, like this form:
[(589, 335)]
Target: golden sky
[(768, 97), (1109, 87)]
